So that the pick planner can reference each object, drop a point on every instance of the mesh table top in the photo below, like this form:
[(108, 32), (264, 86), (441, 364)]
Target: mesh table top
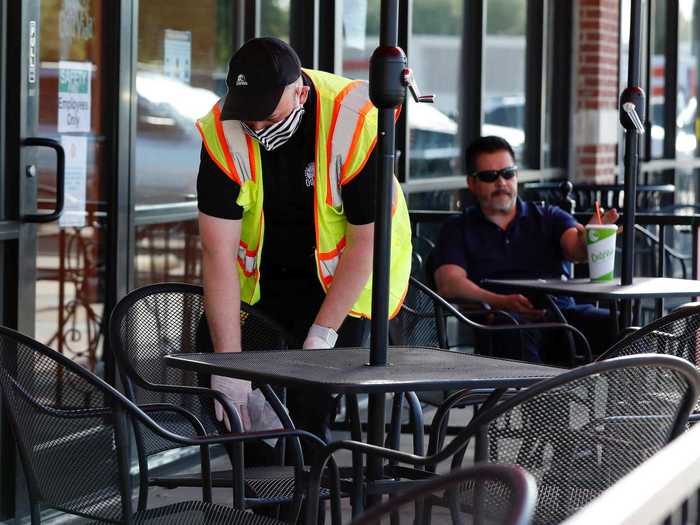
[(345, 370), (652, 287)]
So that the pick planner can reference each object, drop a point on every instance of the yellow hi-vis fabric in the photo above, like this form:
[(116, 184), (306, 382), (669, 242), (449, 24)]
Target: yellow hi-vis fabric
[(346, 124)]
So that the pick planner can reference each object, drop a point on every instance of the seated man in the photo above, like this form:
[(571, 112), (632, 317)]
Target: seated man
[(505, 238)]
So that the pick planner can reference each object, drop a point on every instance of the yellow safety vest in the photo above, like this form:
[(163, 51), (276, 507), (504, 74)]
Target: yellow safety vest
[(346, 124)]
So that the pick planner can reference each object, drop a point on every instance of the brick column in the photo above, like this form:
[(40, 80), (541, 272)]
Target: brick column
[(597, 91)]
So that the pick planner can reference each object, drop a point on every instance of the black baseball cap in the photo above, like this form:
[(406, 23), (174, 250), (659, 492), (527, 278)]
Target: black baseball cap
[(257, 75)]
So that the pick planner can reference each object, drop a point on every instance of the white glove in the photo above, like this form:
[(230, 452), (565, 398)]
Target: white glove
[(320, 337), (262, 415), (237, 391)]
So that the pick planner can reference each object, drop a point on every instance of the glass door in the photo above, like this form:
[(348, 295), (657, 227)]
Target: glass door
[(55, 129), (63, 162)]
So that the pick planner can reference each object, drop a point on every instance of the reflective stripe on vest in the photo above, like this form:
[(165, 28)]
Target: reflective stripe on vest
[(239, 157), (349, 109)]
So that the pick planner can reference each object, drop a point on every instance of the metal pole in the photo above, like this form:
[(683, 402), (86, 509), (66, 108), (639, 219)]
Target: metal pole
[(632, 93), (388, 38), (380, 84)]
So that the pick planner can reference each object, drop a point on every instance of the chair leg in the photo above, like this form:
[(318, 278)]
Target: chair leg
[(206, 474), (356, 498), (35, 512), (235, 455), (416, 419), (143, 489)]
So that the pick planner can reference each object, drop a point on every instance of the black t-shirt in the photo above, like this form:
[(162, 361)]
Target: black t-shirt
[(288, 204)]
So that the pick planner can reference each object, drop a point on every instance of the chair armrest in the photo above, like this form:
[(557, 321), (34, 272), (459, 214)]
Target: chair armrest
[(197, 425), (215, 395), (477, 310), (450, 309), (543, 326)]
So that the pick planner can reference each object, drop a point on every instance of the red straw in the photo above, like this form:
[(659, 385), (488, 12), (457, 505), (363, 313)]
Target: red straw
[(597, 212)]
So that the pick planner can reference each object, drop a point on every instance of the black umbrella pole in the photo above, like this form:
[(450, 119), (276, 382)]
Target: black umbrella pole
[(380, 284), (632, 106), (382, 239), (629, 205), (386, 92), (632, 95)]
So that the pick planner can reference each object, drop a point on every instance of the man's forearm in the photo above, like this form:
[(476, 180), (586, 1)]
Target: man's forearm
[(464, 289), (222, 292), (352, 273)]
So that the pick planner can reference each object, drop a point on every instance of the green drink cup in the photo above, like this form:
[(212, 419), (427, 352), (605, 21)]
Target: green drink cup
[(600, 242)]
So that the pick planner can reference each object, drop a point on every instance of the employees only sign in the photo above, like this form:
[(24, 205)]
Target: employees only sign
[(74, 102)]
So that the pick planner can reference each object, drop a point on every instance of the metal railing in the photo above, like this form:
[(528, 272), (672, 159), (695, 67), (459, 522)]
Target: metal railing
[(663, 490)]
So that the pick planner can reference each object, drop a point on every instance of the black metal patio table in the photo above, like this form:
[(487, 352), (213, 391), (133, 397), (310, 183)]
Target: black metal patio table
[(641, 288), (347, 371)]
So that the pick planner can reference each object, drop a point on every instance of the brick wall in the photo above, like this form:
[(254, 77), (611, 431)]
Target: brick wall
[(597, 91)]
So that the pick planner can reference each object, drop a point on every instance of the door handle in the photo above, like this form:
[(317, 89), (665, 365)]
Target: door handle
[(60, 178)]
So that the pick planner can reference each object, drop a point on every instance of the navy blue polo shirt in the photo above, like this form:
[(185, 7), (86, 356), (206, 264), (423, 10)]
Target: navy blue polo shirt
[(528, 249)]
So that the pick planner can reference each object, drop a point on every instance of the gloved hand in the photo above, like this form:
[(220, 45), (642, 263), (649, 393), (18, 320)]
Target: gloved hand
[(320, 337), (237, 391), (262, 415)]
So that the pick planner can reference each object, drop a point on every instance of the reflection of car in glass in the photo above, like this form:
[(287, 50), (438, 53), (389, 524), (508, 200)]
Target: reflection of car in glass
[(433, 141), (168, 145), (434, 146), (505, 117), (686, 143)]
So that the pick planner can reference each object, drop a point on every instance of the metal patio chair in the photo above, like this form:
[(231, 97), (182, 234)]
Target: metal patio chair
[(576, 433), (504, 495), (73, 433), (676, 334), (422, 322), (163, 319)]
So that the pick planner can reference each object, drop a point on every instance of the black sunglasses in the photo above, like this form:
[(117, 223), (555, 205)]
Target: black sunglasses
[(491, 175)]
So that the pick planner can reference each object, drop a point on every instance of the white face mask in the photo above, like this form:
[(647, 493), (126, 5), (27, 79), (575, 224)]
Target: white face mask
[(272, 137)]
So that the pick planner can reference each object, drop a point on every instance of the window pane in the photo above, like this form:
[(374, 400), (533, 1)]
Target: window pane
[(183, 53), (656, 81), (688, 61), (504, 72), (436, 46), (274, 18), (360, 36), (686, 181)]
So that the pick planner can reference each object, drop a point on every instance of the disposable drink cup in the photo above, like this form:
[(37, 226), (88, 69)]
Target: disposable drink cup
[(600, 240)]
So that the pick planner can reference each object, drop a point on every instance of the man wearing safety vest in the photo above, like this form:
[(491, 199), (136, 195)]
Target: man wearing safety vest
[(286, 201)]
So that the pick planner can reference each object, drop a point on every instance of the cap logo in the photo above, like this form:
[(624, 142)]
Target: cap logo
[(241, 81)]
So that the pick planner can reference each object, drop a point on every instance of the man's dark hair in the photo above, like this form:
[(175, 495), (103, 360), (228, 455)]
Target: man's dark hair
[(488, 144)]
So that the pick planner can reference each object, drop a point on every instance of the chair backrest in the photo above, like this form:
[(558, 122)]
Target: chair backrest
[(483, 494), (421, 253), (421, 321), (580, 432), (677, 333), (74, 447), (168, 318)]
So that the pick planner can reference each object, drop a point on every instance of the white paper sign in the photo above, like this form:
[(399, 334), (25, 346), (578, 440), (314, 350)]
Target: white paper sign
[(177, 55), (354, 23), (74, 79), (75, 183)]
